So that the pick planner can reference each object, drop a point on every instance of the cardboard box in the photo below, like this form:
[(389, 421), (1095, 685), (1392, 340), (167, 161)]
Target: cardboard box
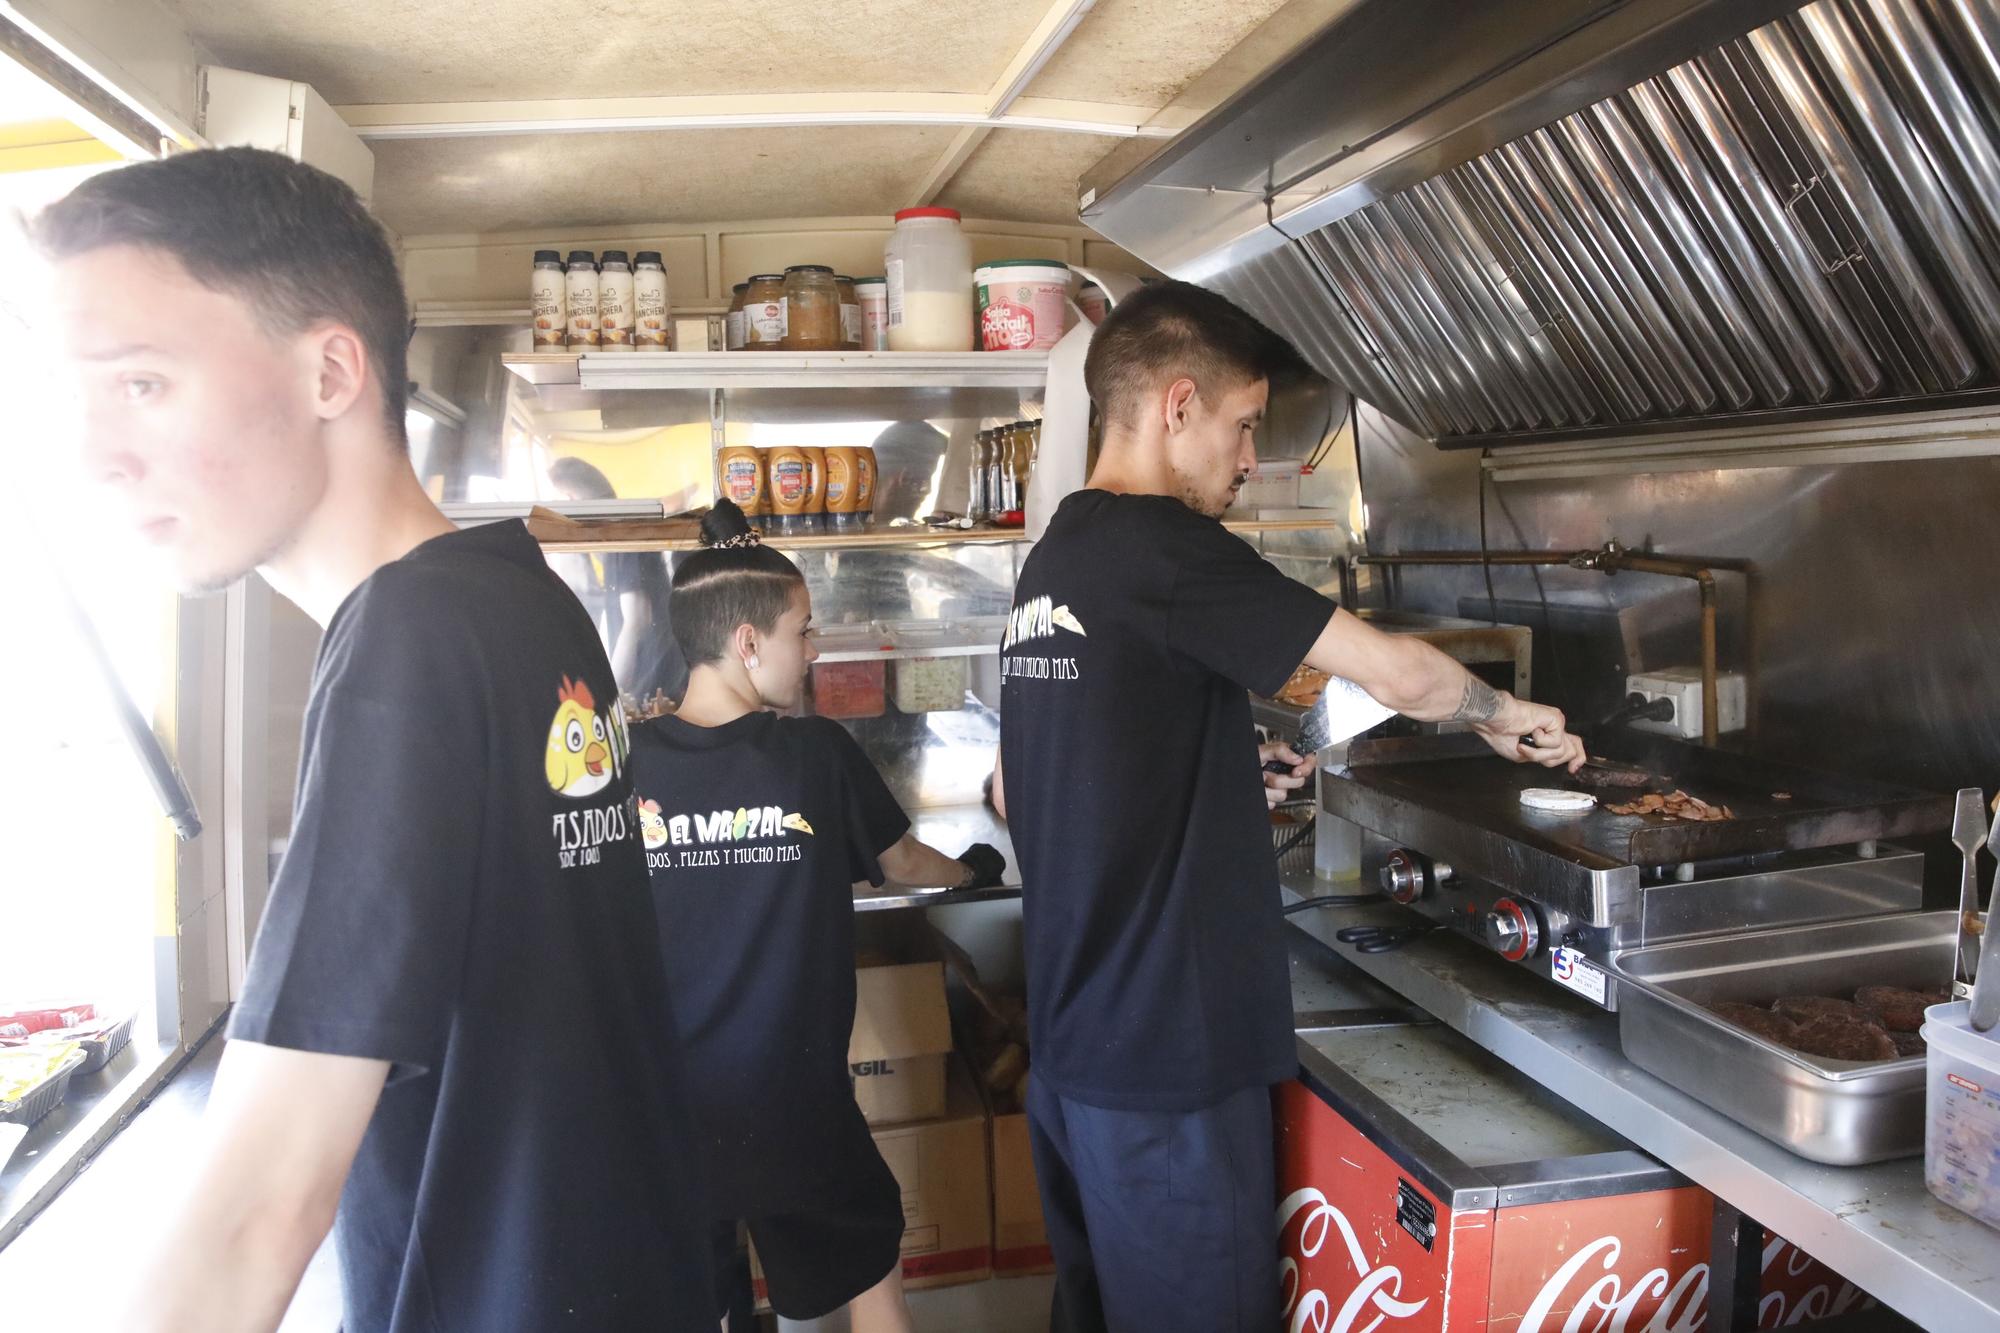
[(1020, 1238), (947, 1203), (947, 1198), (902, 1036)]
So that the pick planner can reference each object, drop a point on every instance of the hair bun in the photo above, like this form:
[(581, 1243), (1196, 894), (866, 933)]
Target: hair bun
[(726, 526)]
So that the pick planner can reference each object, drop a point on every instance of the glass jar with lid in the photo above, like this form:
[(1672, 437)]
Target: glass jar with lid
[(733, 322), (764, 313), (930, 282), (811, 309), (850, 313)]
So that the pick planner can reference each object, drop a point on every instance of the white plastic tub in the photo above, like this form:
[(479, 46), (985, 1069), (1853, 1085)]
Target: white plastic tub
[(1962, 1131), (1274, 485), (1023, 304)]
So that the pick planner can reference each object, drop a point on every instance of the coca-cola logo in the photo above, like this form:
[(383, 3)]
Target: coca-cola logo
[(1786, 1306), (1374, 1296), (1681, 1304), (1588, 1295), (1006, 325)]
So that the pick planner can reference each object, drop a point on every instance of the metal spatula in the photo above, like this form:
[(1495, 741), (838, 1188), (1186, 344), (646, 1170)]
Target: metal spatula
[(1968, 824), (1344, 711), (1986, 990)]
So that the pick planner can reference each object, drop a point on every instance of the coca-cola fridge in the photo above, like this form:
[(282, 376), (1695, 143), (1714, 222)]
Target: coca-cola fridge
[(1535, 1219)]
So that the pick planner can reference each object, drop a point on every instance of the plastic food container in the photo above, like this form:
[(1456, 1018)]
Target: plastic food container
[(873, 294), (929, 684), (849, 689), (1962, 1132), (1023, 304), (102, 1039)]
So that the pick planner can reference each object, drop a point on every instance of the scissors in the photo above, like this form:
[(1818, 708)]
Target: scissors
[(1380, 939)]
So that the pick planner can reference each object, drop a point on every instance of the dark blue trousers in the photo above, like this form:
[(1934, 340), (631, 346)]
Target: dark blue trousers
[(1161, 1221)]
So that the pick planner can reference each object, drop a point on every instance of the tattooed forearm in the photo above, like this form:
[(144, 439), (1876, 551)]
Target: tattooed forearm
[(1479, 703)]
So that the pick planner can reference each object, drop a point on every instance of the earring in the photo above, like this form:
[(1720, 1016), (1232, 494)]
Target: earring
[(753, 661)]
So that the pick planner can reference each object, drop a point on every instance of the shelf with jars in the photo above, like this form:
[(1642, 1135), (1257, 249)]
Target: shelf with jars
[(781, 370), (562, 534)]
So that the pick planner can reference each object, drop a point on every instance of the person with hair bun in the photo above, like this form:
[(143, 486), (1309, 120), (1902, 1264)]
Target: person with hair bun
[(757, 827)]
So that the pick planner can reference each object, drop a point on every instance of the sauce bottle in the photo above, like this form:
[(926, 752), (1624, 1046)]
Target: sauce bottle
[(816, 501), (652, 310), (740, 477), (864, 486), (580, 289), (842, 491), (548, 295), (791, 483), (614, 303)]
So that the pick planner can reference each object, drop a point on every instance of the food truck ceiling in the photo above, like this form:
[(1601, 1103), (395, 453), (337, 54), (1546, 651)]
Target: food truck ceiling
[(783, 109), (1530, 221)]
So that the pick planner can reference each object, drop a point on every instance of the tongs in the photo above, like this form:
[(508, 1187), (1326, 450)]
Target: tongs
[(1986, 989), (1968, 829)]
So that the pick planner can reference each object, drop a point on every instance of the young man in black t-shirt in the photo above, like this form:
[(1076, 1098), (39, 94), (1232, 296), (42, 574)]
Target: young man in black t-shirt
[(1158, 995), (756, 829), (454, 1043)]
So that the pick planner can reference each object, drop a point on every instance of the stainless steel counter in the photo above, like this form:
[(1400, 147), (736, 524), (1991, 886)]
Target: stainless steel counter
[(950, 829), (1876, 1225)]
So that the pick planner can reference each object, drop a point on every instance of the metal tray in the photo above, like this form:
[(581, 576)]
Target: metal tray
[(46, 1095), (1840, 1112)]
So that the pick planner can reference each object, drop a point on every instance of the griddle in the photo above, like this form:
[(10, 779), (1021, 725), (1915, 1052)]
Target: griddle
[(1454, 798)]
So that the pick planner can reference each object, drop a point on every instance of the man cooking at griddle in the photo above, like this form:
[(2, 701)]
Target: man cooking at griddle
[(1158, 1000)]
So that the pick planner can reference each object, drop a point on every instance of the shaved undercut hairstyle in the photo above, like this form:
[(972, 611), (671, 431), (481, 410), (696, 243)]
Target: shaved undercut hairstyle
[(734, 581), (1169, 330)]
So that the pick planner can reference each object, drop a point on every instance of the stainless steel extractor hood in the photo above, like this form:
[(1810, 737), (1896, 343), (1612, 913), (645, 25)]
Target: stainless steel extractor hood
[(1543, 220)]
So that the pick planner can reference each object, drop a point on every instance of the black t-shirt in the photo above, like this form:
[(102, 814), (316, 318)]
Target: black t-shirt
[(465, 895), (1153, 937), (756, 832)]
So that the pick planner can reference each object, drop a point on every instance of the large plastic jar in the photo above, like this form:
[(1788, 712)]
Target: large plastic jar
[(1023, 304), (930, 282)]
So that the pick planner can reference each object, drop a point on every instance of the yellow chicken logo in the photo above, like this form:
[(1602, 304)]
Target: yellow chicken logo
[(580, 761), (651, 825)]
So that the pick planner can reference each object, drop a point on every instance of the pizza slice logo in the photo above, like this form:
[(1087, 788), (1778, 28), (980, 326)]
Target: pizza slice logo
[(586, 747), (1039, 618)]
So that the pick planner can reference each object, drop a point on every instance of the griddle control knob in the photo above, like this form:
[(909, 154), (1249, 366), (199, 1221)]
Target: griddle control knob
[(1404, 877), (1513, 930)]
